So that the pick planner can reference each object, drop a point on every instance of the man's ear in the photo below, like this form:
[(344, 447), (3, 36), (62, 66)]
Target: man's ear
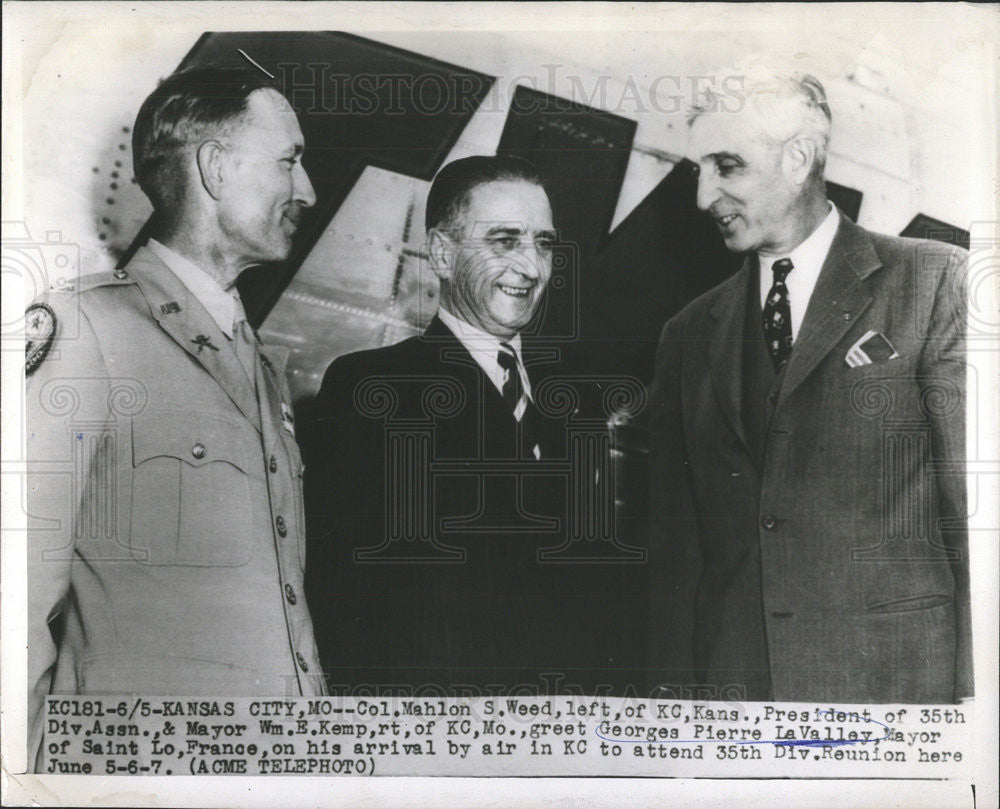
[(211, 158), (799, 158), (441, 252)]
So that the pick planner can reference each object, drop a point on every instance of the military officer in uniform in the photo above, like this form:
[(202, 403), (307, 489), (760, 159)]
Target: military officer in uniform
[(166, 547)]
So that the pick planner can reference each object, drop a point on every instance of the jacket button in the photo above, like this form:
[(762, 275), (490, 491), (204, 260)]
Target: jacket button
[(302, 661), (273, 464), (768, 522), (290, 594), (772, 397), (282, 528), (198, 450)]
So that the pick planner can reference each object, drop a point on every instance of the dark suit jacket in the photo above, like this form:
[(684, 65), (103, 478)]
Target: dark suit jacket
[(476, 606), (833, 566)]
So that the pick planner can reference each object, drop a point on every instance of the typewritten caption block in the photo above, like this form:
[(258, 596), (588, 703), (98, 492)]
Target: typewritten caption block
[(501, 736)]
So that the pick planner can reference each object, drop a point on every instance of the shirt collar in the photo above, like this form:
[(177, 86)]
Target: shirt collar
[(476, 341), (225, 308), (808, 257)]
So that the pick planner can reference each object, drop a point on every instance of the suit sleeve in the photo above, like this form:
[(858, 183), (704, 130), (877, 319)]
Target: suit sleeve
[(675, 558), (69, 389), (942, 376)]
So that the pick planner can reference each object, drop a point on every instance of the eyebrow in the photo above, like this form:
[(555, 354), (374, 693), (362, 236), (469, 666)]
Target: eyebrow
[(293, 151), (509, 231), (717, 156), (501, 230)]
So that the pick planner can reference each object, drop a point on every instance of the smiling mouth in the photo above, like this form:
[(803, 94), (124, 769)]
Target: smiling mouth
[(514, 292), (727, 220)]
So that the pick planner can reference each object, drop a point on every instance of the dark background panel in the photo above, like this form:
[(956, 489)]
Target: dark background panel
[(927, 227), (612, 292), (662, 256), (847, 199), (582, 154)]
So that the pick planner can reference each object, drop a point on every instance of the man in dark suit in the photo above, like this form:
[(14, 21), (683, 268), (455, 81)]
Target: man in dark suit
[(809, 538), (432, 483)]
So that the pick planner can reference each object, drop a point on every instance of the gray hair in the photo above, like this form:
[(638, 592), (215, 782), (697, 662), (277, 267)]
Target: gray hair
[(199, 102), (786, 104)]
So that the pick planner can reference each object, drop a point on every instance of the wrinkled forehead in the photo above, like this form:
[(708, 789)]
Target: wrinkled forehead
[(516, 204), (745, 132)]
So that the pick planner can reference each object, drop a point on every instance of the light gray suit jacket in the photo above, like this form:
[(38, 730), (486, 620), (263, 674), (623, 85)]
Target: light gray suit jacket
[(834, 567)]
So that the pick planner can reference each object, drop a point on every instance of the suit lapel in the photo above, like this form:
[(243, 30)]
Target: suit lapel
[(726, 347), (187, 322), (486, 405), (840, 297)]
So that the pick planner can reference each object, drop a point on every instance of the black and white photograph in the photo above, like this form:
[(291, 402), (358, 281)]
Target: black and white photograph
[(441, 404)]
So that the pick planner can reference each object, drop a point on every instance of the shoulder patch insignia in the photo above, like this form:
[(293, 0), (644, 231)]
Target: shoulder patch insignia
[(39, 331)]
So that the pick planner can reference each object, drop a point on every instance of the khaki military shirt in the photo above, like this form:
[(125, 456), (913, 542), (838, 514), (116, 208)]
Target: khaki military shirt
[(167, 528)]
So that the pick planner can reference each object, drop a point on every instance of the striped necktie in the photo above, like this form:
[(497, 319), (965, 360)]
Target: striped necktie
[(516, 398)]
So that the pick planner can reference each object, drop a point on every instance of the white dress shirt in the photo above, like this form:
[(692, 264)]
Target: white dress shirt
[(484, 348), (807, 260), (226, 308)]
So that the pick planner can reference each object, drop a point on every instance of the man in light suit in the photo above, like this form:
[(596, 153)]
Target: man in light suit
[(166, 550), (809, 538), (430, 484)]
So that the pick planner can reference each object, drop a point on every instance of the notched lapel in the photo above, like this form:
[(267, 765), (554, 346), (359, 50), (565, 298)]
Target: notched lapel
[(185, 322), (448, 356), (842, 294), (468, 428)]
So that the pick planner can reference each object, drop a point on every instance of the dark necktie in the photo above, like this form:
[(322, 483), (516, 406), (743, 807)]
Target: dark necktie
[(516, 399), (777, 316)]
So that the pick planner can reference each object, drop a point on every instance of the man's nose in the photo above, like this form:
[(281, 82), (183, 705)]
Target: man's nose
[(708, 190), (303, 189), (529, 260)]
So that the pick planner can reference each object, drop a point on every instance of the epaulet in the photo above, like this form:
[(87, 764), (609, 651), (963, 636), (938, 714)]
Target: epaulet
[(98, 279), (42, 323)]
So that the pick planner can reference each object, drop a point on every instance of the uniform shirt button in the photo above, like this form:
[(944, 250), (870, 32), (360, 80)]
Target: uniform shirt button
[(768, 521), (290, 594), (198, 450), (302, 661), (273, 464), (282, 528)]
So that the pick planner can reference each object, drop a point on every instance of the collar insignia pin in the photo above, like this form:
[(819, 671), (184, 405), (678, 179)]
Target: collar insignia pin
[(204, 341)]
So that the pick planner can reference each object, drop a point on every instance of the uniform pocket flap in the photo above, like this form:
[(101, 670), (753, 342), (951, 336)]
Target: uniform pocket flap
[(195, 438), (911, 603), (159, 673)]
